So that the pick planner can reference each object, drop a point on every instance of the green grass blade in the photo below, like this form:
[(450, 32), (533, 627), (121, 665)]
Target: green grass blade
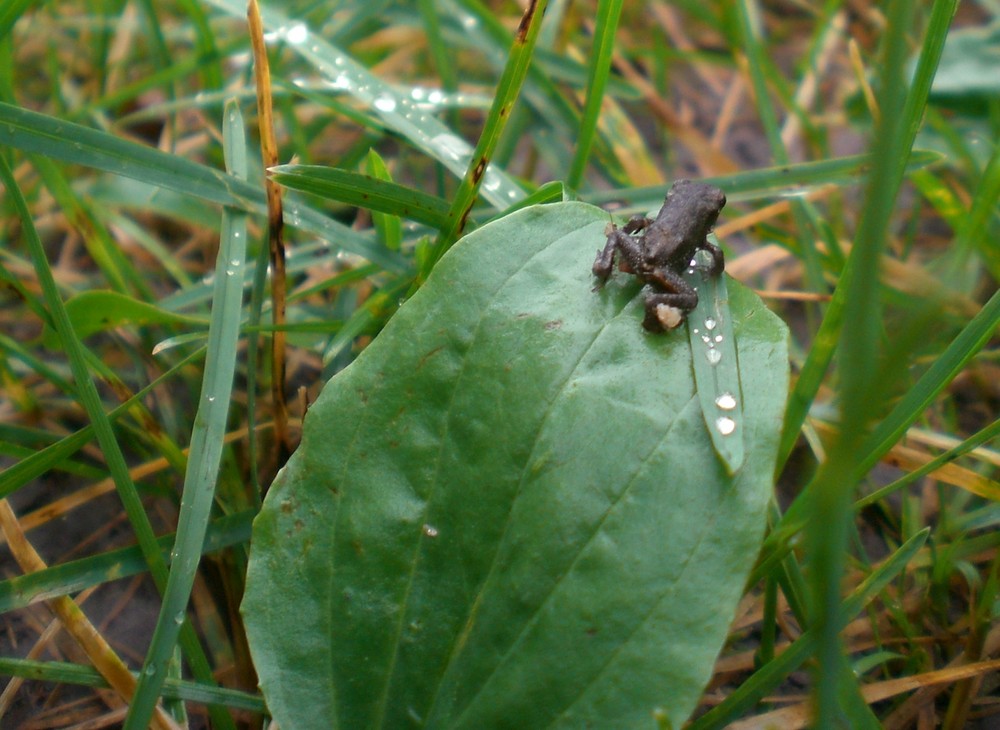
[(53, 457), (58, 139), (716, 370), (78, 575), (67, 673), (973, 337), (398, 112), (364, 191), (505, 95), (606, 23), (860, 401), (752, 184), (207, 438), (772, 674), (91, 401), (388, 226)]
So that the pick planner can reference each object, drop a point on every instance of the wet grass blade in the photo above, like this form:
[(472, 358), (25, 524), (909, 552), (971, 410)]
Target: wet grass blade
[(364, 191), (74, 143), (66, 673), (78, 575), (207, 438), (91, 401), (716, 369), (508, 88), (772, 674), (606, 23), (397, 111)]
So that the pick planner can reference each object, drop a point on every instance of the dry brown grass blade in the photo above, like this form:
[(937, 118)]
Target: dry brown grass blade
[(800, 715), (104, 658), (275, 230)]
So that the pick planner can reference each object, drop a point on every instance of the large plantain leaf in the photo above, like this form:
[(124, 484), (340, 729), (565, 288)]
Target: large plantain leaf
[(508, 511)]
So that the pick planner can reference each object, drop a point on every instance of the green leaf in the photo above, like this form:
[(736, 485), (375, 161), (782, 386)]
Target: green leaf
[(509, 506), (99, 310), (366, 191)]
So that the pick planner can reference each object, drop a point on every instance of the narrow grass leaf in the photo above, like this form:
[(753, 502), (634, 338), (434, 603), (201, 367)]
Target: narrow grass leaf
[(793, 179), (397, 111), (62, 140), (89, 397), (364, 191), (207, 437), (478, 173), (388, 226), (78, 575), (771, 675), (66, 673), (52, 457), (606, 23), (716, 370), (99, 310), (973, 337)]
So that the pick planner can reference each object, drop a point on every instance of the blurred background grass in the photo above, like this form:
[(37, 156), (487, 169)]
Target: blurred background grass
[(112, 125)]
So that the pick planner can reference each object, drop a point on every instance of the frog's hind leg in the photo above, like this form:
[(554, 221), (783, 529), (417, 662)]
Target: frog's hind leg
[(668, 306)]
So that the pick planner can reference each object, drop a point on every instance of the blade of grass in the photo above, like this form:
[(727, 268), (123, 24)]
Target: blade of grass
[(207, 437), (52, 457), (364, 191), (389, 228), (821, 354), (76, 624), (58, 139), (91, 401), (397, 112), (830, 520), (67, 673), (606, 23), (765, 181), (77, 575), (772, 674), (506, 94)]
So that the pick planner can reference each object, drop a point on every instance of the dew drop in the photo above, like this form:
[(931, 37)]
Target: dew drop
[(179, 618), (211, 399), (150, 670), (451, 146), (297, 34), (710, 323), (491, 181), (726, 401), (430, 531), (725, 424), (341, 81), (385, 102), (713, 356)]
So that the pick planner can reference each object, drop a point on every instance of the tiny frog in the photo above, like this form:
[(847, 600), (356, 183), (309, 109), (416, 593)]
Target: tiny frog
[(665, 249)]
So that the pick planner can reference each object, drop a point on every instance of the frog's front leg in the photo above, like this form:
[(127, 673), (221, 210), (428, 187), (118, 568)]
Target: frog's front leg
[(718, 259), (619, 239), (668, 306)]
